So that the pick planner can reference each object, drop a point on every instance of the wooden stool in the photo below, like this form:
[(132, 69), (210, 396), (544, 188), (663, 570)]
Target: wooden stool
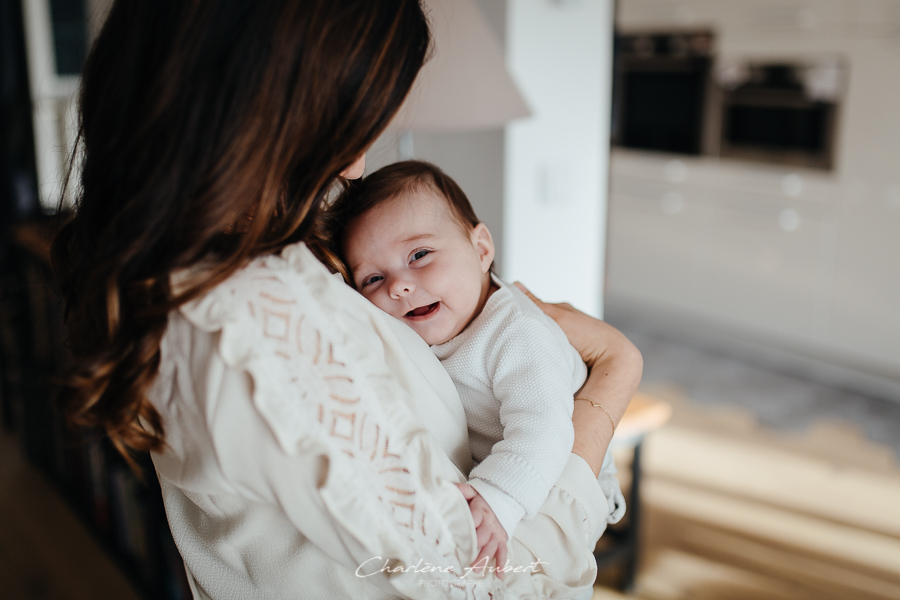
[(644, 414)]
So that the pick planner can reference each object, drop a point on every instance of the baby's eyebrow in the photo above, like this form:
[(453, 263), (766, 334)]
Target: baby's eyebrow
[(417, 237), (354, 269)]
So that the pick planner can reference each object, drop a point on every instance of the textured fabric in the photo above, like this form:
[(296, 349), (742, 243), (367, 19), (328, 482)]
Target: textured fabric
[(295, 466), (609, 483), (516, 374)]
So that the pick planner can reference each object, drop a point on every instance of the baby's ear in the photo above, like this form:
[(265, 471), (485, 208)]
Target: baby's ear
[(484, 246)]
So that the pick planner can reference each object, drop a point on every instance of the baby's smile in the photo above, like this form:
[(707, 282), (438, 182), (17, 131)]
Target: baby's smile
[(423, 312)]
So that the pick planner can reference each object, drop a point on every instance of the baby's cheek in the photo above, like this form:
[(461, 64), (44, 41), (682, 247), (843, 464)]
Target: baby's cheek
[(384, 304), (376, 302)]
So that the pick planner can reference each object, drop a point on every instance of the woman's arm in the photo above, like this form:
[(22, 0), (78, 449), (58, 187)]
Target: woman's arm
[(614, 365)]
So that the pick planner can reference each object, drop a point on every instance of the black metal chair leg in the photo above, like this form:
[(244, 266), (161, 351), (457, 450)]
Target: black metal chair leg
[(634, 525)]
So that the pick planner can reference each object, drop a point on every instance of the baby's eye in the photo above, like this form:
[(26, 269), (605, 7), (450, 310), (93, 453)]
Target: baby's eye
[(419, 254), (371, 280)]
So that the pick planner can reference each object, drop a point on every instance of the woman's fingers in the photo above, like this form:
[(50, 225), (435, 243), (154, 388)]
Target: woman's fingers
[(527, 292), (544, 306), (549, 309)]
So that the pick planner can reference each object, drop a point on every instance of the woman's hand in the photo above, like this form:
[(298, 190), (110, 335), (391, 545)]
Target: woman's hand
[(615, 367)]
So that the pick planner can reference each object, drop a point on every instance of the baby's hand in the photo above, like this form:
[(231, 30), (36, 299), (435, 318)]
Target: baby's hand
[(489, 532)]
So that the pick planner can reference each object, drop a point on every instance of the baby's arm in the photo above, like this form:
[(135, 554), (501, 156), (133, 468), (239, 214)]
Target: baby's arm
[(532, 370), (490, 534)]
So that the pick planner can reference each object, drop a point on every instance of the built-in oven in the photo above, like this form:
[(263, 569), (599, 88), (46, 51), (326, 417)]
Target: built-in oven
[(780, 112), (671, 94), (661, 90)]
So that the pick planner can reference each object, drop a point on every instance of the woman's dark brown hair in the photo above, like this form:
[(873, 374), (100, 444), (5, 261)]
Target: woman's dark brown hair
[(211, 131), (395, 180)]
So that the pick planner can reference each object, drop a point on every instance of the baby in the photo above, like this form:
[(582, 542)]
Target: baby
[(415, 249)]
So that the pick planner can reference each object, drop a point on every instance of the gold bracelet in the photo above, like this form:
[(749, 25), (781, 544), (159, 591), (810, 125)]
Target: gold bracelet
[(603, 408)]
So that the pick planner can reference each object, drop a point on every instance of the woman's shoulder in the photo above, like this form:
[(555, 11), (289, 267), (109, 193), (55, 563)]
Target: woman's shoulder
[(265, 291), (280, 319)]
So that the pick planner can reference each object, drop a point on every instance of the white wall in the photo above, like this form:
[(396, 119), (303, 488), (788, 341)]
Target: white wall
[(560, 54)]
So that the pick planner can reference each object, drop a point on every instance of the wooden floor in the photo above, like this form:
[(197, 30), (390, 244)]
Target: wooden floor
[(732, 512)]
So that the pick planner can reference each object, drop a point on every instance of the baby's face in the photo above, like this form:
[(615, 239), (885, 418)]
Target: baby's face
[(411, 258)]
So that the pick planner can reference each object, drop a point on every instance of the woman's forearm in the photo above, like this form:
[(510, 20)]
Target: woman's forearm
[(612, 381)]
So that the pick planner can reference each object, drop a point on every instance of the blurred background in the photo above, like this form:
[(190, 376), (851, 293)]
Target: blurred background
[(717, 178)]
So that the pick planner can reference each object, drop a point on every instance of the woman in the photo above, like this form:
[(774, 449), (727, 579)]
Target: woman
[(284, 414)]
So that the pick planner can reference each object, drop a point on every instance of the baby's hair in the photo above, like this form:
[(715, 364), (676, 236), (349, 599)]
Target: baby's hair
[(393, 181)]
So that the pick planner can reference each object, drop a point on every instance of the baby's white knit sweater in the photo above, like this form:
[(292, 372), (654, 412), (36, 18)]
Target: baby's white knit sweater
[(516, 374)]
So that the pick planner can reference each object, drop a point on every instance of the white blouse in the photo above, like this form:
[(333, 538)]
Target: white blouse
[(311, 449)]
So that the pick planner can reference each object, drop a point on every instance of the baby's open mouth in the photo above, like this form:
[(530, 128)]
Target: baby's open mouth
[(423, 310)]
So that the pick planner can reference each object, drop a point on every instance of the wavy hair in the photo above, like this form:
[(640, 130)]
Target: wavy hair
[(211, 131)]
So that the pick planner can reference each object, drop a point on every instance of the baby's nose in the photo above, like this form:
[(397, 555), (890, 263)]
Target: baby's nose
[(401, 287)]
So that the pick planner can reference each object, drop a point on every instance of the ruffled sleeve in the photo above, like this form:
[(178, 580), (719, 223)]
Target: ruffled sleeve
[(344, 457)]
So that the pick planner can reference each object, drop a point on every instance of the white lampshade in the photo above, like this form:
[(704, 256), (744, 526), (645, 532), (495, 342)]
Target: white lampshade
[(465, 86)]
